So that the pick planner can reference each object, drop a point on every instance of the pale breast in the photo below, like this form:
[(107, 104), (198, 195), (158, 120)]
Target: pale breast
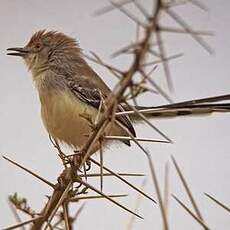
[(67, 118)]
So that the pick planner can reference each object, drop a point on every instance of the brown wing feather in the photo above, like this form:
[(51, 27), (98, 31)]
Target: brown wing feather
[(89, 87)]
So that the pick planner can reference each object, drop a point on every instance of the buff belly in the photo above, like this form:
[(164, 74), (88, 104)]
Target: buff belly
[(68, 119)]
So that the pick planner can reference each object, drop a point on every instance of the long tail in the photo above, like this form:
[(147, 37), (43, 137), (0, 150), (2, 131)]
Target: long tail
[(202, 106)]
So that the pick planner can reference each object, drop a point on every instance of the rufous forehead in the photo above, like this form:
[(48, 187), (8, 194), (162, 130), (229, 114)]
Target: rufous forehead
[(38, 37), (51, 38)]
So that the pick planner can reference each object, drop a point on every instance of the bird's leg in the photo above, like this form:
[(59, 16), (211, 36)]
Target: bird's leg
[(74, 159), (77, 159)]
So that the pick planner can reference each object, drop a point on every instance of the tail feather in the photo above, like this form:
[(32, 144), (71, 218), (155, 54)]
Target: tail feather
[(203, 106)]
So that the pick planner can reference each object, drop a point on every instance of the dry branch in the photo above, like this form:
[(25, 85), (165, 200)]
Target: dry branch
[(64, 191)]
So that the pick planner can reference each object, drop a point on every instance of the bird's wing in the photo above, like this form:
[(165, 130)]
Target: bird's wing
[(90, 88)]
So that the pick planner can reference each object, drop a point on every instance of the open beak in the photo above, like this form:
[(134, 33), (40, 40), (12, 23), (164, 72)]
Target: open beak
[(18, 51)]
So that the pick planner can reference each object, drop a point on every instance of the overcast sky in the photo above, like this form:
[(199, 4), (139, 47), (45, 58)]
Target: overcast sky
[(201, 143)]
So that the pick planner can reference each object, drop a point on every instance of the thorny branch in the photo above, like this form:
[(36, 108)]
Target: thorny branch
[(64, 191)]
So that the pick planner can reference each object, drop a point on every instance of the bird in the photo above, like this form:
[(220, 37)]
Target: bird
[(71, 92), (68, 88)]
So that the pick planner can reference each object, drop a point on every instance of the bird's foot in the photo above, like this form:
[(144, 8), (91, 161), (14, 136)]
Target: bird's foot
[(78, 158)]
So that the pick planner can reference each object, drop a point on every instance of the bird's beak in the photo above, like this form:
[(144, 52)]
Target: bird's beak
[(18, 51)]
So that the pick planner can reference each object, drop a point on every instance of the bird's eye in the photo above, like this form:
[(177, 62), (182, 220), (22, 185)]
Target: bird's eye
[(37, 46)]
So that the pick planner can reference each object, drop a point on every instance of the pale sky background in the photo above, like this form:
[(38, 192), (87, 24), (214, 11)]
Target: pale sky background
[(201, 143)]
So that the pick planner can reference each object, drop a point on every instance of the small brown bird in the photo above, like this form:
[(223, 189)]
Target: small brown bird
[(70, 91)]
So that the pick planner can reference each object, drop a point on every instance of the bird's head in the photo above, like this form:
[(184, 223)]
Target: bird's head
[(47, 48)]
